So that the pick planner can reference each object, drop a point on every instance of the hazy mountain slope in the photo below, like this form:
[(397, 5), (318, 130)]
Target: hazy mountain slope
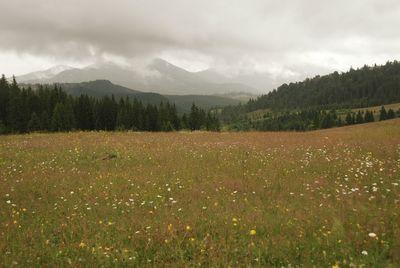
[(160, 76), (261, 81), (43, 75), (99, 88), (203, 101)]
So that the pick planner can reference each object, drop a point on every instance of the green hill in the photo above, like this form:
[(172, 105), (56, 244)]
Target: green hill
[(203, 101), (368, 86), (99, 88)]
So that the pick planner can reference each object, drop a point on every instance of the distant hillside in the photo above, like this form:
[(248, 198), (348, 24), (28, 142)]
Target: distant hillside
[(99, 88), (159, 76), (203, 101), (368, 86), (43, 75)]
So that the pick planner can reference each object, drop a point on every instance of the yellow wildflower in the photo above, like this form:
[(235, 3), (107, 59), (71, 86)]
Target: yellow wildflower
[(253, 232)]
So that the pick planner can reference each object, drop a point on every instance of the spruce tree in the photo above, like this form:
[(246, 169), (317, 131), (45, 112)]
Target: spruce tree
[(194, 118), (4, 99), (390, 114), (58, 121), (63, 117), (34, 123), (382, 114), (369, 116), (45, 121), (359, 118), (349, 119)]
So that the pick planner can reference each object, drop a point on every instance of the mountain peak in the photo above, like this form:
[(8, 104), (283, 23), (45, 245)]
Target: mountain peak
[(160, 64), (159, 76), (59, 68), (45, 74)]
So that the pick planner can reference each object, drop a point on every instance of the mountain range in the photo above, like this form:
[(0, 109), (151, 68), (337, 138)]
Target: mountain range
[(100, 88), (159, 76)]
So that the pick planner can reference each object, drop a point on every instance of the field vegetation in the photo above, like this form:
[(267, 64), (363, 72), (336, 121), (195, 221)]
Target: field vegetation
[(87, 199)]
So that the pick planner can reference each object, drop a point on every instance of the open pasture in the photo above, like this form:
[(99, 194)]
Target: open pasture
[(213, 199)]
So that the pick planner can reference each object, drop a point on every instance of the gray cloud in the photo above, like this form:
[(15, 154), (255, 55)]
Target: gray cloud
[(296, 36)]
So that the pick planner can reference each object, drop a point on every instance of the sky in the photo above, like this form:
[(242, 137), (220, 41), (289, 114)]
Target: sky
[(286, 38)]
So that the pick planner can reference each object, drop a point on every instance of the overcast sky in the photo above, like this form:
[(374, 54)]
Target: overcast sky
[(282, 37)]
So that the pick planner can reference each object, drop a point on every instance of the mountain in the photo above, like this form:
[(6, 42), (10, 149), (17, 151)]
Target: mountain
[(43, 75), (159, 76), (203, 101), (257, 80), (99, 88)]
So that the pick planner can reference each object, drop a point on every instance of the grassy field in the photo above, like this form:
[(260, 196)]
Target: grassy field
[(322, 198)]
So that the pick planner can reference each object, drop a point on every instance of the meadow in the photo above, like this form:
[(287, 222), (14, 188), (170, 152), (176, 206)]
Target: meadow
[(87, 199)]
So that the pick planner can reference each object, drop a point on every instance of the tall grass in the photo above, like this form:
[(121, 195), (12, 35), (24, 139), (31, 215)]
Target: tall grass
[(213, 199)]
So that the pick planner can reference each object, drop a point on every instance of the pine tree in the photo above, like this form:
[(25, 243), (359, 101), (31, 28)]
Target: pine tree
[(369, 116), (34, 123), (382, 114), (15, 120), (58, 121), (83, 111), (3, 128), (194, 118), (4, 99), (390, 114), (63, 117), (359, 118), (45, 122), (212, 122), (327, 121), (184, 122), (349, 119)]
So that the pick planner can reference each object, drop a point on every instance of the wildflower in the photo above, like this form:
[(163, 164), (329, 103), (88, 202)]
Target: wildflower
[(364, 252), (372, 235), (335, 266), (82, 244), (253, 232), (188, 228)]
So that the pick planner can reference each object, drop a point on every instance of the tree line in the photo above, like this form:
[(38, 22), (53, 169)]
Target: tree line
[(50, 109), (318, 119)]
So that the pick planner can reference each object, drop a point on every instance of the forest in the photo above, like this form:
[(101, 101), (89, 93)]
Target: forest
[(364, 87), (48, 109), (317, 102)]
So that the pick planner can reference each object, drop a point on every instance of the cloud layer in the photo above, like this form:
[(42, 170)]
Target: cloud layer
[(287, 37)]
